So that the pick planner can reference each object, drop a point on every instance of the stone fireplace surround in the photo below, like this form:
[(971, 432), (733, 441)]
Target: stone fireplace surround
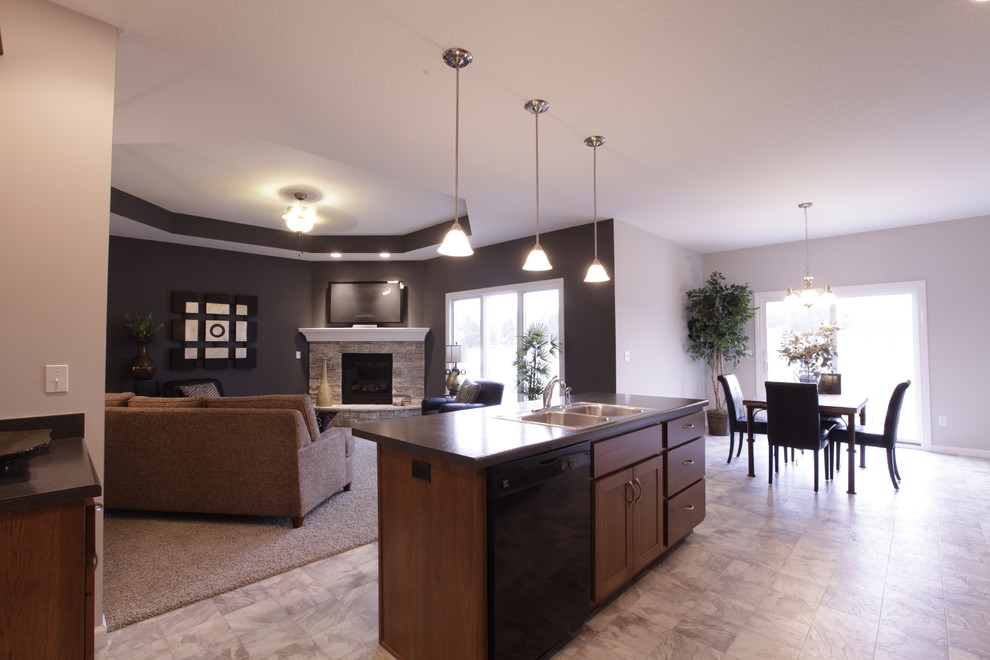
[(408, 349)]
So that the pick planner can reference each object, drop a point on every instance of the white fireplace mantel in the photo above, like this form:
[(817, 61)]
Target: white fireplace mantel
[(364, 334)]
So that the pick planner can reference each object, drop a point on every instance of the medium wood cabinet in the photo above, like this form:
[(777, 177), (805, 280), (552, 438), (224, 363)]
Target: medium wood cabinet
[(48, 554), (648, 494), (47, 564)]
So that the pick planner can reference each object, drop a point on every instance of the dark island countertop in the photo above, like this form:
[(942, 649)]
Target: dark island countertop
[(60, 472), (478, 438)]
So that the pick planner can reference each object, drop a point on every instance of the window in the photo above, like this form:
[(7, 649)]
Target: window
[(487, 323), (881, 342)]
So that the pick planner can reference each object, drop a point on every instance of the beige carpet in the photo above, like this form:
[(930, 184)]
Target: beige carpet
[(155, 563)]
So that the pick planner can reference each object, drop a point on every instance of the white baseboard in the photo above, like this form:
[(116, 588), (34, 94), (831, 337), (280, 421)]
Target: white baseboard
[(100, 635), (961, 451)]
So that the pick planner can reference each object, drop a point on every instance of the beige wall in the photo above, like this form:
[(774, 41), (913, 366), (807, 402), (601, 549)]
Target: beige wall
[(950, 257), (56, 116), (651, 277)]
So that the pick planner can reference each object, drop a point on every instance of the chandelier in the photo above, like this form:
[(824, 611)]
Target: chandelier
[(809, 295)]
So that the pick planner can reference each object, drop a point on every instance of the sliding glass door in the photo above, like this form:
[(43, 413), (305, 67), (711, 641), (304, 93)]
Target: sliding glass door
[(882, 341), (488, 323)]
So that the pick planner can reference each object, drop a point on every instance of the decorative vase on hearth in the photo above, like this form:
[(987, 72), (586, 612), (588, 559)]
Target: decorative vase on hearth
[(323, 398), (143, 367)]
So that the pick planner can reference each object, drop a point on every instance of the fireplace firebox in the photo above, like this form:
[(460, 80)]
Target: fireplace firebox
[(366, 378)]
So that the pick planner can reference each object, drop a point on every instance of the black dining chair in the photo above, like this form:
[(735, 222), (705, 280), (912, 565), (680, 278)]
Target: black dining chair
[(793, 421), (886, 439), (737, 414)]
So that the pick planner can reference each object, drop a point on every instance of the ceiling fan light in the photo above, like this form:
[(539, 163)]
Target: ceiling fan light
[(455, 243), (596, 272), (537, 260), (299, 217)]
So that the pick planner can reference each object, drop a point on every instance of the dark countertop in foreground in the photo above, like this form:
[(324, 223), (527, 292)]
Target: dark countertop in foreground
[(478, 438), (60, 472)]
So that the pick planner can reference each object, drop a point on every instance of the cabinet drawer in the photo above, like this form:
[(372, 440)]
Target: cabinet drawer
[(683, 466), (624, 450), (684, 512), (678, 431)]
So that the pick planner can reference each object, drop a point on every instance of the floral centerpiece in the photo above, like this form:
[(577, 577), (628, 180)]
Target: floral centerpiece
[(813, 351)]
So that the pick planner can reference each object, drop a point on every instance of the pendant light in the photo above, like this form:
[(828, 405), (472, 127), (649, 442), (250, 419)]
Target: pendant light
[(455, 243), (596, 271), (537, 259), (299, 217), (809, 295)]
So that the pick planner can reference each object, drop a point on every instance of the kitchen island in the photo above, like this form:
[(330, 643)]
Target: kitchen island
[(444, 577)]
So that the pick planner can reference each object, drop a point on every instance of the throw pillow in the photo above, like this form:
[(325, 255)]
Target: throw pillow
[(467, 392), (200, 389)]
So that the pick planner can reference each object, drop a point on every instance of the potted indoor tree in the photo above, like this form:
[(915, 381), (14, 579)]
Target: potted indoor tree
[(717, 316), (532, 363)]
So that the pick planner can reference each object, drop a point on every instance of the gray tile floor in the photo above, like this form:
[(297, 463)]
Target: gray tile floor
[(773, 572)]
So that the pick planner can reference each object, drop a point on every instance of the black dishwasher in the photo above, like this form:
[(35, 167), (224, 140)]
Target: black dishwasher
[(539, 552)]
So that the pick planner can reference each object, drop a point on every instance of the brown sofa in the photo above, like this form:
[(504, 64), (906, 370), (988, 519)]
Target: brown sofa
[(257, 455)]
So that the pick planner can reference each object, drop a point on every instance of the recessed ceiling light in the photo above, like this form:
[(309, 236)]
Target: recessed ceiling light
[(979, 1), (336, 255), (384, 255)]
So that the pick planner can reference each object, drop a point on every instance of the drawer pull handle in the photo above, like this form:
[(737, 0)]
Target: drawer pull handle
[(688, 426), (689, 507), (689, 461)]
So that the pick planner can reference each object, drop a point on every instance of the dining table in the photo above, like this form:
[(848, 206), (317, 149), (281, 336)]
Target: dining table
[(848, 406)]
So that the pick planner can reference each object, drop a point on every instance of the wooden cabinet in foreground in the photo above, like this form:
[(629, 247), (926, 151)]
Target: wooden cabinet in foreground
[(648, 493)]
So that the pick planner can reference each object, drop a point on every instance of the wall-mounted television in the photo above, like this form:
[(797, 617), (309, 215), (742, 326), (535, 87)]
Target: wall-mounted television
[(366, 303)]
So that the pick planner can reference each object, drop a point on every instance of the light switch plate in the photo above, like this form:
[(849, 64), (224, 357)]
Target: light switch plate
[(56, 378)]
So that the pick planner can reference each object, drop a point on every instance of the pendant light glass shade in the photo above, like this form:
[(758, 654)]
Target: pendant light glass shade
[(537, 259), (299, 217), (455, 243), (596, 271), (809, 296)]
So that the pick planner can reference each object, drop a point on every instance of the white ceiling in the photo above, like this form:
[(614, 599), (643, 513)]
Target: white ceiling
[(720, 116)]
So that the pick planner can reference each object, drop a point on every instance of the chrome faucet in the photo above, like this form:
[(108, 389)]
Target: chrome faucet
[(548, 391)]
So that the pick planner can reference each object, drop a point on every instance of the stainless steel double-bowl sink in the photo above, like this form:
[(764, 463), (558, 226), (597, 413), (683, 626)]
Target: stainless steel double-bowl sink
[(577, 415)]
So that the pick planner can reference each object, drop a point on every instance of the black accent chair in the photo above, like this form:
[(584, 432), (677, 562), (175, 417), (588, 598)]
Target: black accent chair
[(737, 414), (793, 421), (885, 440), (171, 387), (489, 394)]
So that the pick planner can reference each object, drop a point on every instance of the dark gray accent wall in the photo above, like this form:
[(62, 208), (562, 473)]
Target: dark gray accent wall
[(589, 308), (292, 295), (142, 276)]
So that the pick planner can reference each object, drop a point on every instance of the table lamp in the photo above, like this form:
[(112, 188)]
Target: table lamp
[(452, 355)]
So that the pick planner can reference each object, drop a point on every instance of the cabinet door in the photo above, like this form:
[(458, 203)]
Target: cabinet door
[(613, 550), (648, 540), (42, 578)]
